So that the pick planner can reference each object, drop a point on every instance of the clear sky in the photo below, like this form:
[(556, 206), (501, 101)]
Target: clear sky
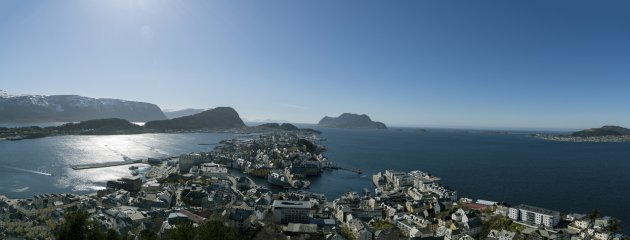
[(531, 64)]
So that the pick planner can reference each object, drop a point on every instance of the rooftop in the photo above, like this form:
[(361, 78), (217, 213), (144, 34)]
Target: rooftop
[(536, 209), (291, 204)]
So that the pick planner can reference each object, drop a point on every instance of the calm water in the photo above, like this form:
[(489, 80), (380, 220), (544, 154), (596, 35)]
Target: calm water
[(26, 166), (513, 168)]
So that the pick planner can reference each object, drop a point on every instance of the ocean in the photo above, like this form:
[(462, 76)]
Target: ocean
[(507, 167), (498, 166)]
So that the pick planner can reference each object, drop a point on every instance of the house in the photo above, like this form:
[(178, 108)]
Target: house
[(501, 235), (240, 219), (534, 233), (360, 230), (599, 235)]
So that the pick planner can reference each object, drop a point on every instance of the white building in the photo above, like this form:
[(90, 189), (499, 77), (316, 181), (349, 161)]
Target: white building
[(440, 190), (46, 200), (582, 223), (602, 235), (534, 215), (186, 161), (213, 170), (291, 211)]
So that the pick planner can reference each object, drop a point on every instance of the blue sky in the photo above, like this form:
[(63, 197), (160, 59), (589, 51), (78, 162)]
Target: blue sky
[(529, 64)]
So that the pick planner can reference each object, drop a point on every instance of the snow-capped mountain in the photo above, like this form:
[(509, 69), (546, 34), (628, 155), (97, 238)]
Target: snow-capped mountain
[(72, 108)]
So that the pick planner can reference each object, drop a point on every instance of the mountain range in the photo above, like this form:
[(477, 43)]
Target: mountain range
[(73, 108)]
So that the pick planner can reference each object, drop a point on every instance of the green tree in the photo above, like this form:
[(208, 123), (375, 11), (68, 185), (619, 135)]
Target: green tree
[(77, 227), (209, 230), (217, 230), (148, 235), (183, 231), (594, 214), (615, 226), (113, 235)]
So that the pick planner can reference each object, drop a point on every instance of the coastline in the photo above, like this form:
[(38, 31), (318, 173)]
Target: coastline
[(230, 153), (592, 139)]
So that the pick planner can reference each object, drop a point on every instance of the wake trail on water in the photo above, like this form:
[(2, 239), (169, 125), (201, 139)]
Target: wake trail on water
[(25, 170), (115, 151), (152, 149)]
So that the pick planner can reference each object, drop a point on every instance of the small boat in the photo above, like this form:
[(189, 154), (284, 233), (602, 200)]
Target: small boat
[(133, 167), (15, 138)]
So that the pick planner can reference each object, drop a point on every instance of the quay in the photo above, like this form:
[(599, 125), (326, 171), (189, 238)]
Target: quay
[(337, 167), (105, 164)]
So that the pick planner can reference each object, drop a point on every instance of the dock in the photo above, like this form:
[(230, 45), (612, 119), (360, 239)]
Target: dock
[(105, 164), (337, 167)]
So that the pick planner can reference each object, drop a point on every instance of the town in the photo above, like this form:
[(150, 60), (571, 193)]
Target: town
[(188, 191)]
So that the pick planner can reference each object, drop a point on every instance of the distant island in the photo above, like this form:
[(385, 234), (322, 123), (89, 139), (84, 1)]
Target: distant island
[(217, 119), (351, 120), (602, 134), (73, 108)]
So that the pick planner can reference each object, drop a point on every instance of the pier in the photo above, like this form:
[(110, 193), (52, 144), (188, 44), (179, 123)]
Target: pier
[(105, 164), (337, 167)]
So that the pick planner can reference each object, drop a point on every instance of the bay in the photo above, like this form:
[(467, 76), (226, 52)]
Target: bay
[(497, 166)]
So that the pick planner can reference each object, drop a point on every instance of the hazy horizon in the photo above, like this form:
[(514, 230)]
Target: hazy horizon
[(493, 64)]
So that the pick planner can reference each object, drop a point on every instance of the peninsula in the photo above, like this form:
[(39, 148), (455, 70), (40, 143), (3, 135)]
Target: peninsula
[(351, 120)]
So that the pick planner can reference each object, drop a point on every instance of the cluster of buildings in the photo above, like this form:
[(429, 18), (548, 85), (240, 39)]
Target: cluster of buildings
[(285, 159), (415, 205), (569, 138), (198, 187)]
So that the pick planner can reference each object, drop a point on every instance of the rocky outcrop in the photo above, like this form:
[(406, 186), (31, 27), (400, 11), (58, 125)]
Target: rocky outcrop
[(351, 120)]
